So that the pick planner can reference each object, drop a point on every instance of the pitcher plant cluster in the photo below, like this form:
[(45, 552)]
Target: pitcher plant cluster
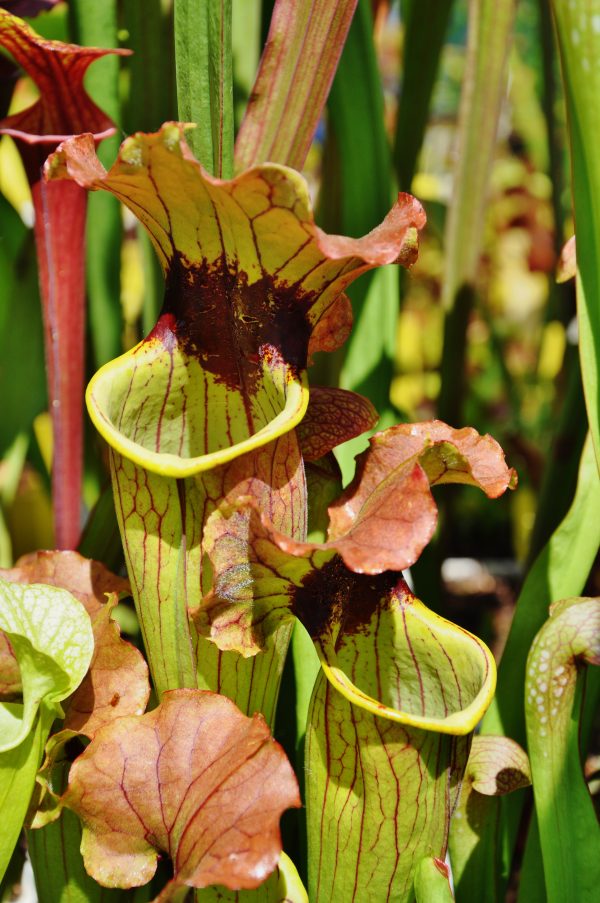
[(152, 770)]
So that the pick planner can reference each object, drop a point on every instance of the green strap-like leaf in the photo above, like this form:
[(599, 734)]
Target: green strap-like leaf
[(424, 32), (483, 88), (17, 778), (560, 570), (569, 831), (579, 42), (204, 79)]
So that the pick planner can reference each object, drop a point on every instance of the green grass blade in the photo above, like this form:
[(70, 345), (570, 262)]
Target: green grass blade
[(425, 28), (151, 98), (204, 79), (484, 84), (559, 571), (579, 42)]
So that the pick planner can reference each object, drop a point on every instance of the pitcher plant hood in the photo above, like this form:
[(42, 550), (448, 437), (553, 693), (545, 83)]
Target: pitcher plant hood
[(252, 287)]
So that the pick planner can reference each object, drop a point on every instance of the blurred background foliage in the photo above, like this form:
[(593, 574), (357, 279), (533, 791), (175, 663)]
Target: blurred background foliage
[(392, 121)]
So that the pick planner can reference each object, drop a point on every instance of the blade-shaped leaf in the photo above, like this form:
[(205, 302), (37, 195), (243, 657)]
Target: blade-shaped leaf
[(483, 88), (204, 79), (194, 778), (296, 70), (579, 43)]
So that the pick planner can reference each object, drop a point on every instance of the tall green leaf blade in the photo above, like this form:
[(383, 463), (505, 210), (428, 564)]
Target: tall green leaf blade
[(560, 570), (17, 777), (204, 79), (484, 84), (151, 98), (426, 22), (300, 58), (579, 42)]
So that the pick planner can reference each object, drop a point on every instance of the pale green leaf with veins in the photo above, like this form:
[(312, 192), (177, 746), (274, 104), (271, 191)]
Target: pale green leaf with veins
[(51, 635)]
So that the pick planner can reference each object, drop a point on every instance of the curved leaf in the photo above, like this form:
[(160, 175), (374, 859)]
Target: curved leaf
[(51, 635), (569, 831), (194, 778)]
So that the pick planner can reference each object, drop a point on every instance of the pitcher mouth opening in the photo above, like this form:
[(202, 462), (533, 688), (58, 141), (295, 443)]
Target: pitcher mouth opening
[(159, 407), (422, 687)]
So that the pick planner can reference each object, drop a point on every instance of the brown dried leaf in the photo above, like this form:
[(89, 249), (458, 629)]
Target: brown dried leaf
[(387, 515), (87, 580), (194, 778), (117, 681), (333, 416), (567, 262)]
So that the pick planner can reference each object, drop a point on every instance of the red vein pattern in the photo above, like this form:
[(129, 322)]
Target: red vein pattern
[(365, 844), (194, 778)]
